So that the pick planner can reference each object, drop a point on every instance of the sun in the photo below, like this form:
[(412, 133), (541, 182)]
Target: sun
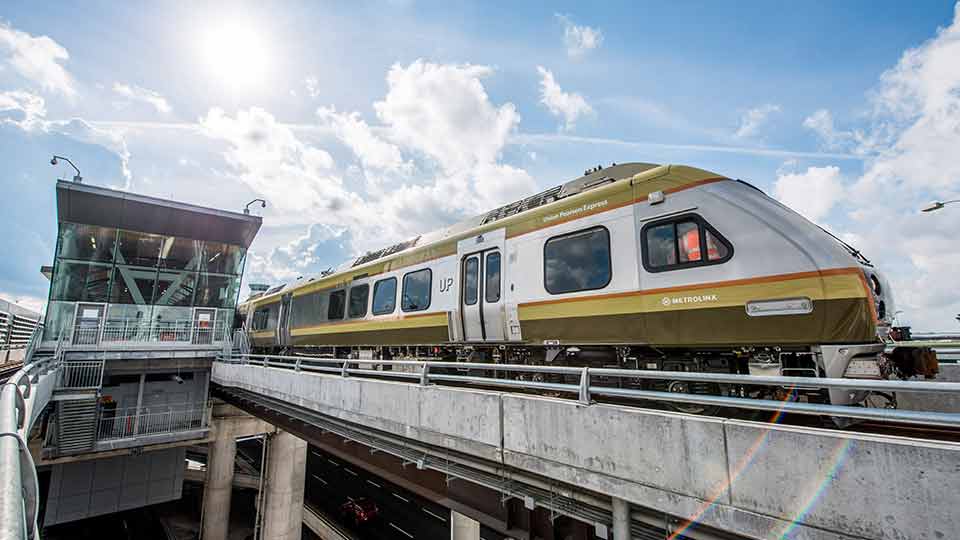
[(236, 54)]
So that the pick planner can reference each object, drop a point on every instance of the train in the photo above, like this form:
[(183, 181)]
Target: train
[(634, 265)]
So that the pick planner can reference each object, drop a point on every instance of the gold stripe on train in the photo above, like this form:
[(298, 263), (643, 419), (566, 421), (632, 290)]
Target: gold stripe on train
[(432, 319), (817, 287)]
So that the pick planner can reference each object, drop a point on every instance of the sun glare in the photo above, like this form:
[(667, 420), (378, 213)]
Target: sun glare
[(236, 54)]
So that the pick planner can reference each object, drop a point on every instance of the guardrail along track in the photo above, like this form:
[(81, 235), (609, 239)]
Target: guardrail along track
[(620, 386)]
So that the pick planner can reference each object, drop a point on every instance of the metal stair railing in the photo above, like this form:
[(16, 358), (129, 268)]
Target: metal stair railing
[(22, 398)]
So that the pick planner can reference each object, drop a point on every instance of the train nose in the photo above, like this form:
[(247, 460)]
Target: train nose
[(882, 299)]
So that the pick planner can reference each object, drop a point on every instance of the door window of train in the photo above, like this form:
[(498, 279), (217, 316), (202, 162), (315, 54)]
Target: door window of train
[(273, 316), (471, 280), (337, 303), (682, 242), (385, 296), (358, 301), (578, 261), (416, 290), (491, 287), (259, 319)]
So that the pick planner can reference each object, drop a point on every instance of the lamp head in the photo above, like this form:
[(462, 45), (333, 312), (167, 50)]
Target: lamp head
[(935, 205), (53, 161)]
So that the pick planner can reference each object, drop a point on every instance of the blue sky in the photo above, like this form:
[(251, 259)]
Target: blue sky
[(368, 122)]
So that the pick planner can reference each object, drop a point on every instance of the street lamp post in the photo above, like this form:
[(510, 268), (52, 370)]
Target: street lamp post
[(263, 204), (937, 205), (77, 178)]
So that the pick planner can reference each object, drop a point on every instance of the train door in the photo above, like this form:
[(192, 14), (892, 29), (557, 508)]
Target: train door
[(283, 320), (481, 287)]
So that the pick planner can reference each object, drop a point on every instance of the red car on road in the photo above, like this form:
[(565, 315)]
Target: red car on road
[(359, 511)]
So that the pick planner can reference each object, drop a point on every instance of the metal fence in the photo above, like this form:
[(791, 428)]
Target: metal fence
[(175, 418), (81, 375), (586, 384), (127, 332)]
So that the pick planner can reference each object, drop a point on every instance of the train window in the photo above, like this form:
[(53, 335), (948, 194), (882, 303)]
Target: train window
[(491, 287), (259, 321), (682, 242), (471, 280), (358, 301), (578, 261), (385, 296), (273, 316), (305, 310), (416, 290), (335, 308)]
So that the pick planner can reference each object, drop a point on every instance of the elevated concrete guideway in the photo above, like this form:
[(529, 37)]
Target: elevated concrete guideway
[(750, 479)]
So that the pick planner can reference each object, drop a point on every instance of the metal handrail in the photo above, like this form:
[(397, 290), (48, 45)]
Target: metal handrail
[(81, 375), (586, 388), (22, 399), (180, 417), (122, 332)]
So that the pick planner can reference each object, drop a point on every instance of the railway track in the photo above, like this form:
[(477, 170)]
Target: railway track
[(7, 370)]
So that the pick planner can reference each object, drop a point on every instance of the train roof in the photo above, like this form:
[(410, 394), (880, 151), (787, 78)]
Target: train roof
[(591, 179)]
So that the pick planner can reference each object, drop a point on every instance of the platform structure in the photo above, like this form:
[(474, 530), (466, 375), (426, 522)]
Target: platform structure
[(616, 466), (143, 293)]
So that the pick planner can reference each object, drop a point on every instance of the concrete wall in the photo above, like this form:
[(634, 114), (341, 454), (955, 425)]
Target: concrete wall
[(104, 486), (753, 479)]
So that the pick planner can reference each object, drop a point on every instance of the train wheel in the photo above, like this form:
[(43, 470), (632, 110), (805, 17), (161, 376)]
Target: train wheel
[(682, 387)]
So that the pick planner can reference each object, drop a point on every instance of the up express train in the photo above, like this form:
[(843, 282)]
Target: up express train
[(637, 265)]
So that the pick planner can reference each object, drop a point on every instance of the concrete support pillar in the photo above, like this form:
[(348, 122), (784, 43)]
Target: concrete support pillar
[(621, 519), (463, 527), (284, 481), (221, 453)]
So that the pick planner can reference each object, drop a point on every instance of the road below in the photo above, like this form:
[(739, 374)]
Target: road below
[(331, 481)]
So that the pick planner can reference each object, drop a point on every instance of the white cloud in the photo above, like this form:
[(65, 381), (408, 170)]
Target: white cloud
[(821, 123), (312, 84), (268, 157), (37, 59), (579, 39), (373, 151), (568, 105), (138, 93), (111, 139), (433, 159), (22, 109), (812, 193), (754, 118), (443, 111), (910, 140)]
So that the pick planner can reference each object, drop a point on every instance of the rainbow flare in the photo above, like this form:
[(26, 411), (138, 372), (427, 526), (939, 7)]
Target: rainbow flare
[(839, 458)]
